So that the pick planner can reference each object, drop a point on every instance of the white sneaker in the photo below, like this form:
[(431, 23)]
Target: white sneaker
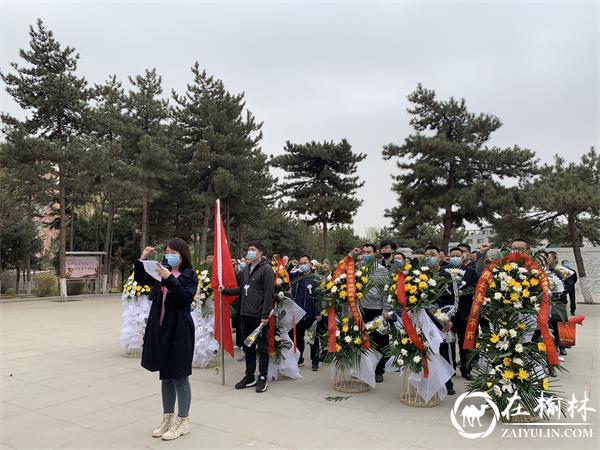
[(167, 422), (181, 427)]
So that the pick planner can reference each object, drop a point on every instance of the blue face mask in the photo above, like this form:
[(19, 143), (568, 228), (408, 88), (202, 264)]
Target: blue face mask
[(173, 259), (251, 255), (366, 258), (304, 268), (242, 265), (398, 264), (430, 261), (567, 265), (455, 261)]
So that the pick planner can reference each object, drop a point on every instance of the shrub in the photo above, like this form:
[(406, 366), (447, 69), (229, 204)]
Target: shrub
[(45, 284)]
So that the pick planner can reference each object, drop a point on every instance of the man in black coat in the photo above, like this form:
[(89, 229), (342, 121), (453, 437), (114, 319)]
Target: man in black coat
[(255, 289), (465, 300)]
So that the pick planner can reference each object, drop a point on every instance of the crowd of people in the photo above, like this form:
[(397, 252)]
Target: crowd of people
[(168, 344)]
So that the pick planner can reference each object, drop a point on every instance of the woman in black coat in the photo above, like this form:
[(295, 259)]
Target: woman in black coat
[(169, 337)]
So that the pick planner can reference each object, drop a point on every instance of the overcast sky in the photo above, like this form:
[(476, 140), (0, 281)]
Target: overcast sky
[(333, 70)]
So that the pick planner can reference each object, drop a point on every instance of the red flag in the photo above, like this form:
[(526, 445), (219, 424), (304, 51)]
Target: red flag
[(222, 276)]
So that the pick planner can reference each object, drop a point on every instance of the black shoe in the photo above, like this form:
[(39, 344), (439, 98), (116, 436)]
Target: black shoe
[(301, 362), (467, 376), (246, 382), (552, 372), (563, 352), (315, 366), (378, 378), (573, 312), (261, 384), (451, 391)]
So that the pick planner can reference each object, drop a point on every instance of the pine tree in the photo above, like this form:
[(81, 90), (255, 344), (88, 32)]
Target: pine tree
[(448, 175), (55, 98), (147, 149), (219, 155), (321, 182)]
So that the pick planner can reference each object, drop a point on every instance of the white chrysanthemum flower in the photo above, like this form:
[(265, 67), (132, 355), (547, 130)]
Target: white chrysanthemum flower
[(417, 272), (502, 345), (417, 359), (343, 276), (514, 265), (278, 282), (348, 339), (432, 282), (337, 333), (403, 352), (277, 338), (522, 270), (518, 304), (518, 361), (497, 390), (497, 296), (425, 268), (400, 361), (202, 296), (359, 273), (519, 348), (513, 333), (355, 328), (328, 277), (502, 332), (334, 289)]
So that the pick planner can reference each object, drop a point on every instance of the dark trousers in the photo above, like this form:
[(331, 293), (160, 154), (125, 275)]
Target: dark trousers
[(301, 328), (572, 301), (249, 324), (460, 328), (446, 351), (236, 322), (380, 340)]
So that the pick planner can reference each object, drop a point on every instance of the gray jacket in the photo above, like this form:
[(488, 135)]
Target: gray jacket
[(376, 296)]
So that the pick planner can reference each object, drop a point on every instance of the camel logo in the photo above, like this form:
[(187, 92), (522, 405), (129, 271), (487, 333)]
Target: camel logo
[(471, 415)]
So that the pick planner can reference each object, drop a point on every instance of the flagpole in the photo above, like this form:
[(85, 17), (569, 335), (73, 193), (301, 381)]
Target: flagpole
[(221, 335)]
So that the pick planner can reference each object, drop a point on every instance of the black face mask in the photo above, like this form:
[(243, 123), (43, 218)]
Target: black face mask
[(386, 255)]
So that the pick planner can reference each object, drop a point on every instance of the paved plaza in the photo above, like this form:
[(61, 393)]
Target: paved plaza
[(65, 384)]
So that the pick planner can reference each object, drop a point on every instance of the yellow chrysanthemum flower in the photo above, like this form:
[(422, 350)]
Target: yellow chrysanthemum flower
[(492, 284), (338, 348), (489, 384), (345, 328), (514, 296), (494, 338), (359, 295), (359, 285), (521, 326), (506, 361), (541, 347), (407, 266), (423, 285), (364, 279), (534, 282), (423, 277), (404, 340), (525, 293), (330, 285), (507, 267), (395, 277), (412, 299), (343, 294), (358, 341), (545, 384), (345, 319), (523, 375), (508, 374)]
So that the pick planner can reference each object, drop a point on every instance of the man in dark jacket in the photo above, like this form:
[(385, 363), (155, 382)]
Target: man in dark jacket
[(304, 286), (256, 288), (570, 286)]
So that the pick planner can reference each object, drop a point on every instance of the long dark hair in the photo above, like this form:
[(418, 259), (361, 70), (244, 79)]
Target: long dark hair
[(179, 245)]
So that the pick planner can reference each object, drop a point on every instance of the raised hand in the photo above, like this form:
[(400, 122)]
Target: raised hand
[(147, 252)]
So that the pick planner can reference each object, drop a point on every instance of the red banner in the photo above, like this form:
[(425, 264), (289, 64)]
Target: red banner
[(543, 314), (408, 325)]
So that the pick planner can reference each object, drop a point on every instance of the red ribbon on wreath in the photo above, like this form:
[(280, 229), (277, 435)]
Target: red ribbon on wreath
[(408, 325)]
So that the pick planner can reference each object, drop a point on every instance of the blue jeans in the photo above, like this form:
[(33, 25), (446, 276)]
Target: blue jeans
[(180, 389)]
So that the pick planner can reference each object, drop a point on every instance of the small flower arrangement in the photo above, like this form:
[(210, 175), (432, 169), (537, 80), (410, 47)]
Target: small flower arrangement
[(512, 366), (334, 291), (404, 352), (349, 346), (132, 290), (282, 280), (204, 291), (422, 286)]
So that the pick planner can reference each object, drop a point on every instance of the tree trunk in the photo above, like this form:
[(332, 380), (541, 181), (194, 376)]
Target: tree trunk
[(108, 239), (28, 275), (204, 234), (17, 280), (447, 229), (583, 281), (228, 218), (62, 241), (144, 238), (325, 239), (71, 229), (239, 241)]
